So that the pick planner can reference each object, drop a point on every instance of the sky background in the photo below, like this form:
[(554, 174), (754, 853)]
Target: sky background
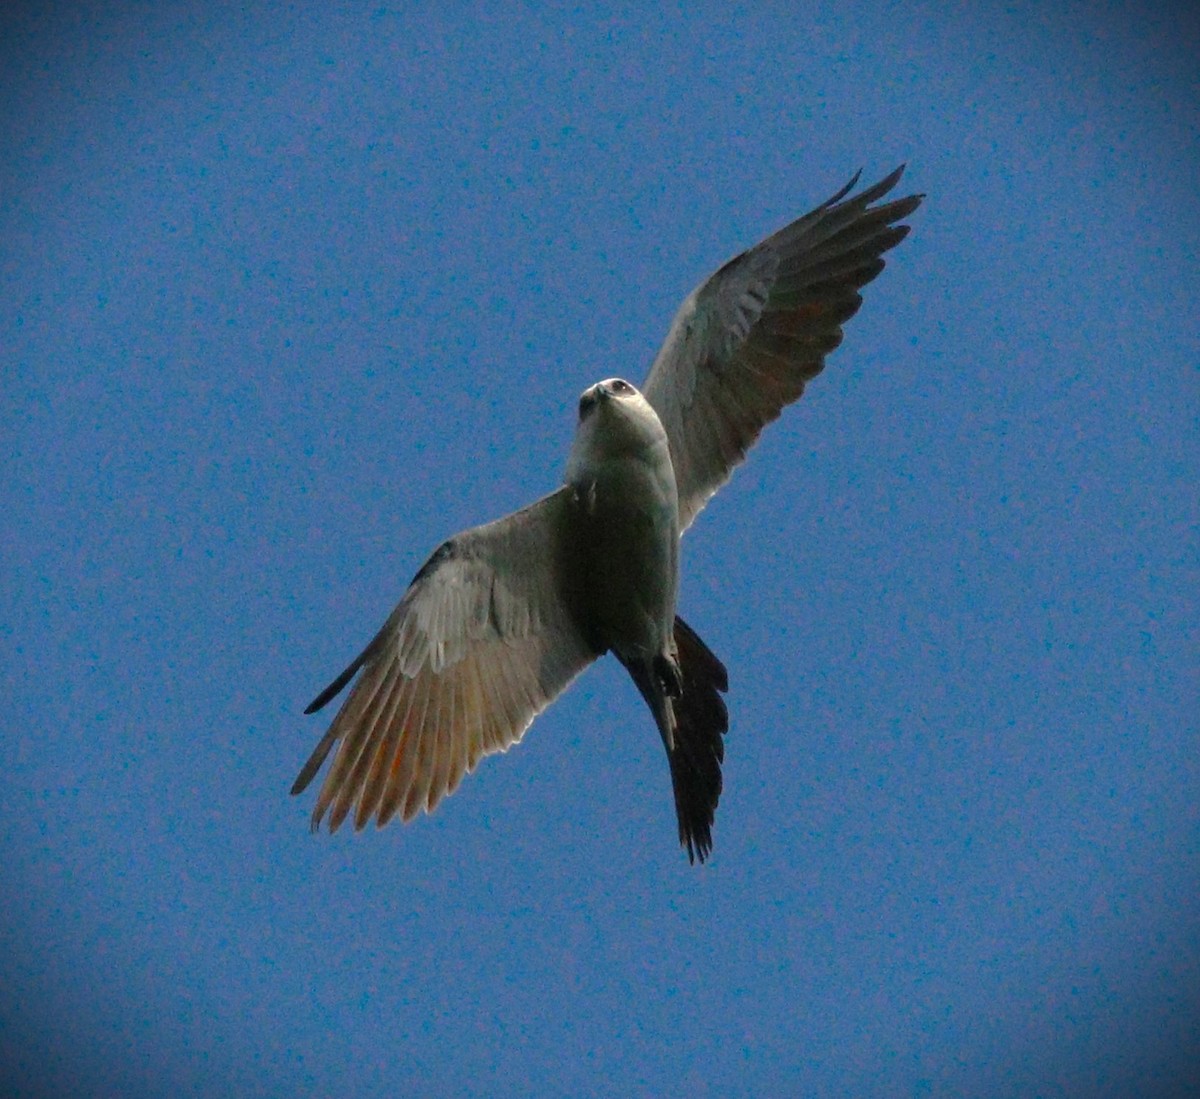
[(290, 293)]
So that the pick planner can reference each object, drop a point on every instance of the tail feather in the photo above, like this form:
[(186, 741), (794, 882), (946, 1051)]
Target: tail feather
[(691, 719), (701, 720)]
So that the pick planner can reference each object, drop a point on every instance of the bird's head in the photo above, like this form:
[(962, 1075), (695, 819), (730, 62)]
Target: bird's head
[(615, 420), (608, 390)]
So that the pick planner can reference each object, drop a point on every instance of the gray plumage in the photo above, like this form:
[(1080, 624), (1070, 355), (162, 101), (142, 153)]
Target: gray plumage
[(501, 618)]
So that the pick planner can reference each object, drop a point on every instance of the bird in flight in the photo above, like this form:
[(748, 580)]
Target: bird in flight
[(502, 618)]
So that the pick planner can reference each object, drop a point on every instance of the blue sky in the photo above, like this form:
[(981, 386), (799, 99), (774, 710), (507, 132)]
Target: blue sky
[(293, 292)]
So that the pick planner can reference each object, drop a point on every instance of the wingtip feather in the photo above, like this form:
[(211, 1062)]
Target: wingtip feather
[(335, 688)]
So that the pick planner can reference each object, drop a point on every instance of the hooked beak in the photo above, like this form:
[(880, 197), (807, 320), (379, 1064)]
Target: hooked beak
[(591, 397)]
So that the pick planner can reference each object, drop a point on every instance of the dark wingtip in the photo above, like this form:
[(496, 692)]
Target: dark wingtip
[(833, 200), (915, 200), (875, 191), (309, 771), (335, 688)]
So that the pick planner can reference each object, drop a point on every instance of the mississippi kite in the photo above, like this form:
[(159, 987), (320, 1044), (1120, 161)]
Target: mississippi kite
[(501, 618)]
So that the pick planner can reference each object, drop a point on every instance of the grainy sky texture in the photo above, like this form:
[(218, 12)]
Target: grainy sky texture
[(289, 293)]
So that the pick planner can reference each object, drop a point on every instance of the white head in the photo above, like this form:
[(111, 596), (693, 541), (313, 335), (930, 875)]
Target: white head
[(615, 421)]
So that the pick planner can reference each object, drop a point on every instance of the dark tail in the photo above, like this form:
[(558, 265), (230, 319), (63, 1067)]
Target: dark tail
[(701, 720)]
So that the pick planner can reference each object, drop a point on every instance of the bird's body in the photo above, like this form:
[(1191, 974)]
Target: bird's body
[(627, 507), (503, 617)]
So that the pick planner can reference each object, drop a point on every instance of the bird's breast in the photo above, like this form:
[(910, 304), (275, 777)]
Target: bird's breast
[(628, 539)]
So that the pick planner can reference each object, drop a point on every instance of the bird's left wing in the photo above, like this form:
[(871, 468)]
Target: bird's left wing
[(484, 639), (745, 342)]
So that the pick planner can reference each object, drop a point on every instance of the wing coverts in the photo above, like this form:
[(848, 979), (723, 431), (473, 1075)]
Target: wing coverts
[(484, 639)]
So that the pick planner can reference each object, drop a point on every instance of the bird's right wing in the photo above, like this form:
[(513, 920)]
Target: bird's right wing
[(483, 641), (745, 341)]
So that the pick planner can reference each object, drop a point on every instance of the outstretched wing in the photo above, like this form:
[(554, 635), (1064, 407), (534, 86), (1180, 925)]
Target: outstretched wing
[(745, 341), (483, 641)]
